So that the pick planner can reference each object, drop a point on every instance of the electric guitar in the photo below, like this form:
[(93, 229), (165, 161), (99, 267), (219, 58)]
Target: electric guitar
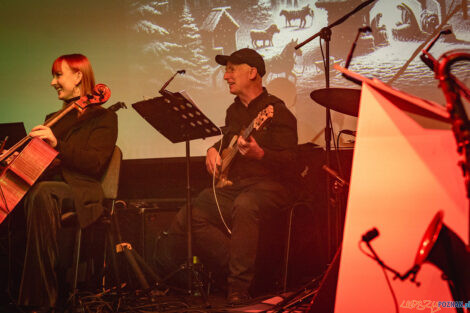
[(231, 151)]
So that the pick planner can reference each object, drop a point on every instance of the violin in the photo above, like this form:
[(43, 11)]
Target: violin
[(22, 172)]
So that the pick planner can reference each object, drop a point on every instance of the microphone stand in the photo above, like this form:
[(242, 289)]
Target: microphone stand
[(411, 272), (453, 90), (325, 34), (162, 90)]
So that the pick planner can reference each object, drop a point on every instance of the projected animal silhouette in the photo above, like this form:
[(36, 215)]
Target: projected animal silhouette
[(292, 15), (263, 35), (284, 62)]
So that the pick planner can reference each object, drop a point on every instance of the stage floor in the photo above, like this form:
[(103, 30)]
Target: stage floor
[(157, 301)]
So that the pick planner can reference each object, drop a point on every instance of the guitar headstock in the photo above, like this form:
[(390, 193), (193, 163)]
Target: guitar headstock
[(263, 116)]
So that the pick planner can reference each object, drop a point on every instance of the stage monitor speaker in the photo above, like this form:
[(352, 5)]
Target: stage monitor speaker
[(141, 227), (155, 221)]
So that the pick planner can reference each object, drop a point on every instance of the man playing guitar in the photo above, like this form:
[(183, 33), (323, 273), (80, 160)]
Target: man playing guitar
[(226, 228)]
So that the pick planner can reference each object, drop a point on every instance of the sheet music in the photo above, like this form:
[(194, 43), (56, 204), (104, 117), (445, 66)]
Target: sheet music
[(188, 98)]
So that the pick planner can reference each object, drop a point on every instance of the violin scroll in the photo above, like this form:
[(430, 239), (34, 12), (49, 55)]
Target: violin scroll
[(101, 94)]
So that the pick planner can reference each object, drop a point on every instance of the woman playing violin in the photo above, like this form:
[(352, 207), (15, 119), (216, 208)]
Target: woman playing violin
[(66, 81), (85, 140)]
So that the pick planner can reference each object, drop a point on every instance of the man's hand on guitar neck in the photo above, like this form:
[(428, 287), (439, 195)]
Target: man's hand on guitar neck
[(250, 148), (213, 161)]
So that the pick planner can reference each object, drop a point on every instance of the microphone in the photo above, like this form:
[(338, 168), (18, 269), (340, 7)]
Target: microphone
[(370, 235), (426, 57), (446, 31), (162, 90), (349, 132), (353, 47), (333, 173), (359, 31)]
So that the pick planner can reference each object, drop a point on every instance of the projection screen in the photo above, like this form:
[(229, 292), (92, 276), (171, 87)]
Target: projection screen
[(135, 46)]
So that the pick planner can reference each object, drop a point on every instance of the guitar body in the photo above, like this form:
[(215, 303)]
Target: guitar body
[(22, 173), (227, 155), (231, 151)]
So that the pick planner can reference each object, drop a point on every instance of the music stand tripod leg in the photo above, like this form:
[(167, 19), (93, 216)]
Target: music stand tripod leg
[(111, 250), (179, 119), (193, 278), (141, 262), (129, 253), (192, 275)]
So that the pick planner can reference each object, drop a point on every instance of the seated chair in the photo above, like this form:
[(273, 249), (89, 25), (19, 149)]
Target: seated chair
[(110, 186)]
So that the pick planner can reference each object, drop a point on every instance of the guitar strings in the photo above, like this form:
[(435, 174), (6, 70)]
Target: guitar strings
[(213, 184), (232, 152)]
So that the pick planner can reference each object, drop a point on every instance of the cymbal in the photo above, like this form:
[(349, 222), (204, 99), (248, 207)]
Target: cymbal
[(343, 100)]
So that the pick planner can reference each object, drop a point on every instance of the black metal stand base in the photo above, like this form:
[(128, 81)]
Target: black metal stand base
[(197, 285)]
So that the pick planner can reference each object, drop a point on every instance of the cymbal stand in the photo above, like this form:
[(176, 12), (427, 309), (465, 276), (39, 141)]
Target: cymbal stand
[(325, 34), (340, 187)]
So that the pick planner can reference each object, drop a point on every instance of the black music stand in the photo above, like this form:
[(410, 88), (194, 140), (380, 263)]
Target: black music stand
[(14, 131), (178, 118)]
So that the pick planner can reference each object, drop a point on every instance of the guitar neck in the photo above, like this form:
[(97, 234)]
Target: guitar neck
[(229, 157), (247, 132), (264, 115)]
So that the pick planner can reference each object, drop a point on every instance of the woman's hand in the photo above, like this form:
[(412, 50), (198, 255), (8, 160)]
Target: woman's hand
[(44, 133)]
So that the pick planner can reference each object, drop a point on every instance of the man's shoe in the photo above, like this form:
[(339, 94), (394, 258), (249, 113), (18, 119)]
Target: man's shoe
[(238, 298)]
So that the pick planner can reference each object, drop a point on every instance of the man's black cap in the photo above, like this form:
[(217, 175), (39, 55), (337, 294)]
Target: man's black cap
[(244, 56)]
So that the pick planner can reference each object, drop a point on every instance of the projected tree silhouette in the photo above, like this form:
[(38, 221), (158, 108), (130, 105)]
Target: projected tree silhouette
[(154, 36), (169, 38), (256, 13), (189, 52)]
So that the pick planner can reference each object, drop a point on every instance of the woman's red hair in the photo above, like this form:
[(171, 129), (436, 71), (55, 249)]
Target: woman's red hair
[(77, 62)]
